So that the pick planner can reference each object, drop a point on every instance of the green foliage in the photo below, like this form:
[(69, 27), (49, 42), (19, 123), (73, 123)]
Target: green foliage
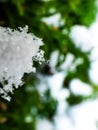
[(27, 101), (74, 99)]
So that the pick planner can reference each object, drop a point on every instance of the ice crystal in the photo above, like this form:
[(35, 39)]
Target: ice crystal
[(17, 49)]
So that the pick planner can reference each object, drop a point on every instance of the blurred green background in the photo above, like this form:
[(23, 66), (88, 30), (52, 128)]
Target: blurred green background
[(28, 104)]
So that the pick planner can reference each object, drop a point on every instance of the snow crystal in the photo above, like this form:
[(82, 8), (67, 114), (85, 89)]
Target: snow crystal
[(17, 49)]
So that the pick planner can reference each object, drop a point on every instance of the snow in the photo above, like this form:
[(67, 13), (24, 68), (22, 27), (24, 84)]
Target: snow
[(86, 39), (17, 47), (80, 88), (85, 115)]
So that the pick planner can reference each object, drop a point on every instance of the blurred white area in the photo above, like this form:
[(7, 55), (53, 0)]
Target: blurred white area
[(54, 20), (86, 39), (53, 60), (44, 124), (55, 82), (81, 37), (85, 115), (68, 62), (80, 88), (79, 117)]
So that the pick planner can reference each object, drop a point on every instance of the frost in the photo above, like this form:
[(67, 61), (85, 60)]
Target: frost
[(17, 50)]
